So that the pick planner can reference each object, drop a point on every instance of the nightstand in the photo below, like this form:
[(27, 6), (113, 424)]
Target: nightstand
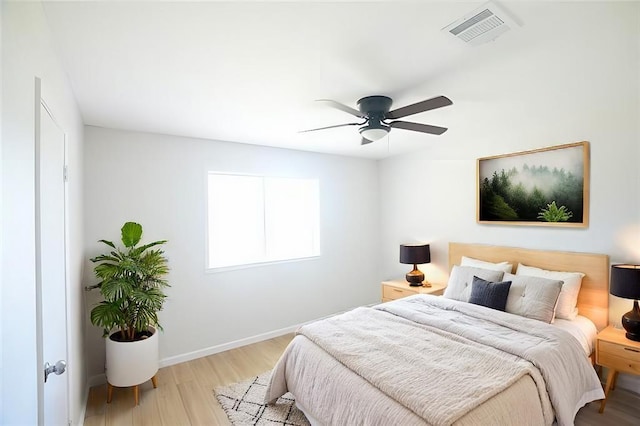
[(397, 289), (618, 354)]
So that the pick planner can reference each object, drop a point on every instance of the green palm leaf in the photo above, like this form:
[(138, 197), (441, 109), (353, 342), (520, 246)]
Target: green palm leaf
[(131, 233), (109, 243)]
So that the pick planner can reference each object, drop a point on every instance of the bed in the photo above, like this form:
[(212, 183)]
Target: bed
[(439, 360)]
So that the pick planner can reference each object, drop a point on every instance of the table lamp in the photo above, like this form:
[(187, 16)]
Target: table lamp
[(625, 282), (415, 254)]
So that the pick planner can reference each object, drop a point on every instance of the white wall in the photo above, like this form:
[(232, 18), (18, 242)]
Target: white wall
[(1, 209), (27, 53), (160, 182), (581, 85)]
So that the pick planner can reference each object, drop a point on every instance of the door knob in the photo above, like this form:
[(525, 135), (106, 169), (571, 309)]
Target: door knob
[(58, 368)]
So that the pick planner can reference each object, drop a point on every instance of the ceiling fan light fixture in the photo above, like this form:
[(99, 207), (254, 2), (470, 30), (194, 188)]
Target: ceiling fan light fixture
[(376, 114), (374, 132)]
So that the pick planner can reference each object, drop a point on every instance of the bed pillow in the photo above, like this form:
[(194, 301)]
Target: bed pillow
[(477, 263), (568, 299), (490, 294), (533, 297), (459, 285)]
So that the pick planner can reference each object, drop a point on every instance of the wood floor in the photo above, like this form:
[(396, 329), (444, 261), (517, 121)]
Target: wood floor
[(185, 393)]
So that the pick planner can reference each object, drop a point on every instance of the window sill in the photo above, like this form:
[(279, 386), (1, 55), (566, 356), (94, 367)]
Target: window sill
[(258, 264)]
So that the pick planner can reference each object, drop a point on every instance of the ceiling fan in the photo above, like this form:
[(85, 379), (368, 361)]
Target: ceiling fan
[(374, 110)]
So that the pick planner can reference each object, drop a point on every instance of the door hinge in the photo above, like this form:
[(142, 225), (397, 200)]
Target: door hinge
[(65, 174)]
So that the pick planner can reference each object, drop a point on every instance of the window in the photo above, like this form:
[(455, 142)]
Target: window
[(255, 219)]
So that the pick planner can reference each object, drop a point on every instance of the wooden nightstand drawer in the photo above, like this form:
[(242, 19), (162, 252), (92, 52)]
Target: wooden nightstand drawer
[(619, 357), (621, 351), (619, 364), (394, 293), (397, 289)]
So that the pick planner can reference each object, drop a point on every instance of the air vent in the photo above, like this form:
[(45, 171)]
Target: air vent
[(484, 24)]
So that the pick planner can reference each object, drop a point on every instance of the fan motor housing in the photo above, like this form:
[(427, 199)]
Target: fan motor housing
[(375, 105)]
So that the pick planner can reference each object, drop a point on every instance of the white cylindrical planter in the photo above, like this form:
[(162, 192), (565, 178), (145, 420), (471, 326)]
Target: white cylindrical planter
[(132, 363)]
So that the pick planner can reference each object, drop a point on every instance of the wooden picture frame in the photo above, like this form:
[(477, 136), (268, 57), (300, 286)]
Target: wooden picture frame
[(542, 187)]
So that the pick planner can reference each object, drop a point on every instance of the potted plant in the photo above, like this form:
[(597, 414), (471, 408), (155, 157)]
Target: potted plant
[(131, 283)]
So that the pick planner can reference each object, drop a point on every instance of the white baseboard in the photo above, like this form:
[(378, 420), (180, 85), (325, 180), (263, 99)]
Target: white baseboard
[(166, 362), (98, 379), (101, 379), (83, 408)]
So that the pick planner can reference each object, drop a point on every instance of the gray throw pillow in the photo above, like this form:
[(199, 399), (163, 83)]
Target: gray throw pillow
[(459, 285), (533, 297)]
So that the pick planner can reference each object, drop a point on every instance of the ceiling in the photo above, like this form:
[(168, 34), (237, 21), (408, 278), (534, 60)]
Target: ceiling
[(250, 72)]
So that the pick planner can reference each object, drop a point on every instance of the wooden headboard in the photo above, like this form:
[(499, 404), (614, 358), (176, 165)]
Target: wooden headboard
[(593, 300)]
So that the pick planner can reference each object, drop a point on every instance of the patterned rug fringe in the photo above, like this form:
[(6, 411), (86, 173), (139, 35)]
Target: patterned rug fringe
[(243, 404)]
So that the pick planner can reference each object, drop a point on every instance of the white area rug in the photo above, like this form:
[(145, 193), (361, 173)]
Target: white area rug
[(242, 402)]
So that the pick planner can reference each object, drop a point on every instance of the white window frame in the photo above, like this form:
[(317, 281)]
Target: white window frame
[(316, 251)]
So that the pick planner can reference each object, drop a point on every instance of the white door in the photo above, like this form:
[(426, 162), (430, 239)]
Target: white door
[(51, 270)]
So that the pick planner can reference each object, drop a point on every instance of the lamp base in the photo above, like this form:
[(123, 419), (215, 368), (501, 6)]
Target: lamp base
[(415, 277), (633, 336), (631, 323)]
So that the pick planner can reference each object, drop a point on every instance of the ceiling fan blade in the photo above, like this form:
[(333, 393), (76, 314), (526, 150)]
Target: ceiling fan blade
[(417, 127), (341, 107), (331, 127), (429, 104)]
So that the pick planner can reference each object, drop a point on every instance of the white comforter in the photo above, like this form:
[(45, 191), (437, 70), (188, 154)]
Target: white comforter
[(442, 358)]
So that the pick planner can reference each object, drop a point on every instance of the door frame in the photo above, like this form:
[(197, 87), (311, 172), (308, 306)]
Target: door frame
[(40, 102)]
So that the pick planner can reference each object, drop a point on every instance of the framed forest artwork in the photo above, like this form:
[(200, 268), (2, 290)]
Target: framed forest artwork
[(543, 187)]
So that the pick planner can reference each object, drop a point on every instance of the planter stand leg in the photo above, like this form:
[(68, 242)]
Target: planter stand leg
[(136, 390)]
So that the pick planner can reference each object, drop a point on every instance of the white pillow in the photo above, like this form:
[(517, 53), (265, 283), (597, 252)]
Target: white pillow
[(568, 299), (461, 279), (532, 297), (477, 263)]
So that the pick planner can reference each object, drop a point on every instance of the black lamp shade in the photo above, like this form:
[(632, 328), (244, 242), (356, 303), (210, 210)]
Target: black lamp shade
[(625, 282), (415, 254)]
